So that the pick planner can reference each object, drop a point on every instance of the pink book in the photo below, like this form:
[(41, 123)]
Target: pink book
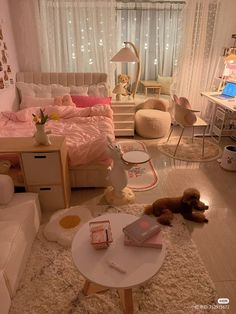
[(142, 228), (154, 242)]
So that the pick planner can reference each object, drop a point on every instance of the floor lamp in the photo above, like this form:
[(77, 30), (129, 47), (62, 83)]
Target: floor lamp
[(126, 54)]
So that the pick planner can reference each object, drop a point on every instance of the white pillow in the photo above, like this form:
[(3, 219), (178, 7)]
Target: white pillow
[(79, 90), (98, 90), (6, 189), (34, 90), (59, 90), (28, 101), (165, 82)]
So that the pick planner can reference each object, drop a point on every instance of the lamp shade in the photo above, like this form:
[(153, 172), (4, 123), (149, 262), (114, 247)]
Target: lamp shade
[(125, 55)]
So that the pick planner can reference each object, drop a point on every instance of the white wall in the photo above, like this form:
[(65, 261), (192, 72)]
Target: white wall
[(8, 96)]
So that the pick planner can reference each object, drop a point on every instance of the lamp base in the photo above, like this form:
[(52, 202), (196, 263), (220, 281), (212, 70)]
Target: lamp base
[(118, 97)]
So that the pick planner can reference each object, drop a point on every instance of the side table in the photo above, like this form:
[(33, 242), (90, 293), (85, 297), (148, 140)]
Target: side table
[(153, 85), (140, 264)]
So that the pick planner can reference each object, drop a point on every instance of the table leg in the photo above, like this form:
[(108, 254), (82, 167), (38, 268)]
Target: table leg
[(90, 288), (145, 89), (126, 300)]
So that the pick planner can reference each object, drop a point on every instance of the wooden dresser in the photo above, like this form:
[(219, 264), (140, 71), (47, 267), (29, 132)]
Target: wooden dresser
[(124, 111), (43, 169)]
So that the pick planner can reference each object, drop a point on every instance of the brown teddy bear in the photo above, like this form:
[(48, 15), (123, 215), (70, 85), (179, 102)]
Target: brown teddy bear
[(188, 205), (124, 80)]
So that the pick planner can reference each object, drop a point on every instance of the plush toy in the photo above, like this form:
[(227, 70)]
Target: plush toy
[(124, 80), (65, 100), (188, 205)]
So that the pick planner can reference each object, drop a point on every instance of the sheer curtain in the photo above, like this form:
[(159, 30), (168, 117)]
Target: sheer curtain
[(155, 29), (77, 36), (208, 28)]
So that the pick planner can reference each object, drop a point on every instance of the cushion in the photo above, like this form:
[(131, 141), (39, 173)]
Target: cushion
[(29, 101), (79, 90), (89, 101), (6, 189), (59, 90), (152, 123), (98, 90), (34, 90), (165, 82), (65, 100)]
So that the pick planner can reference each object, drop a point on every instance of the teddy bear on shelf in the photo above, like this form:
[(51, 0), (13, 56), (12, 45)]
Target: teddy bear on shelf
[(188, 205), (65, 100), (124, 79)]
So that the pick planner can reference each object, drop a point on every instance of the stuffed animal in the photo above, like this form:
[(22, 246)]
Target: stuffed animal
[(188, 205), (65, 100), (124, 80)]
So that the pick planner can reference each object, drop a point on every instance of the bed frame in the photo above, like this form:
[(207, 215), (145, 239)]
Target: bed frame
[(93, 175)]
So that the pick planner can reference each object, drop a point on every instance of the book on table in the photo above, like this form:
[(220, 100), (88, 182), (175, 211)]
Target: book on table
[(154, 241), (142, 229)]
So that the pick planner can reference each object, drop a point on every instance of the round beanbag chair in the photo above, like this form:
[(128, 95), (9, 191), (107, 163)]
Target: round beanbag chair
[(152, 123), (6, 189)]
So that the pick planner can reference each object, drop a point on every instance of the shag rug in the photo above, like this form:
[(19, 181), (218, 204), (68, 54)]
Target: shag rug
[(51, 284), (189, 151), (142, 177)]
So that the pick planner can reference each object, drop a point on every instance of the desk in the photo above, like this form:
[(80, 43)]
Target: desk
[(223, 121), (140, 264), (153, 85)]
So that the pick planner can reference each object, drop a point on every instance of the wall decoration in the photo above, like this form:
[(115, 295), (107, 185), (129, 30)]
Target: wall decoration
[(6, 76)]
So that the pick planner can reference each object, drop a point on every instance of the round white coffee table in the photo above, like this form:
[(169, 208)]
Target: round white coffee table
[(140, 263)]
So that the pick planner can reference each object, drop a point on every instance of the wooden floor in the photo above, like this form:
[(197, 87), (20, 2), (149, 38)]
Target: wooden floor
[(216, 241)]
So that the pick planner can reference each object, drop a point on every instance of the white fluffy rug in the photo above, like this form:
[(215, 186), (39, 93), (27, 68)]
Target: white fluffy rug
[(191, 151), (52, 285)]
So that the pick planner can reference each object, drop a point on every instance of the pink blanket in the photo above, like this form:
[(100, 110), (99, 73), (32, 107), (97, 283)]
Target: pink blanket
[(85, 130)]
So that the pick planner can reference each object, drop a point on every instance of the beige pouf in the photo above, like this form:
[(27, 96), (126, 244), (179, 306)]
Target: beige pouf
[(152, 123)]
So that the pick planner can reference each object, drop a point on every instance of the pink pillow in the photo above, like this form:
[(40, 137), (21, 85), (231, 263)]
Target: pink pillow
[(90, 101)]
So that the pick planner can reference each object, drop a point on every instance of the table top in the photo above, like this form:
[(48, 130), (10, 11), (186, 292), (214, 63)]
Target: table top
[(150, 84), (136, 157), (229, 104), (140, 263)]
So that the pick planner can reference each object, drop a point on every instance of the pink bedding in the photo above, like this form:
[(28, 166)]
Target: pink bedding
[(85, 130)]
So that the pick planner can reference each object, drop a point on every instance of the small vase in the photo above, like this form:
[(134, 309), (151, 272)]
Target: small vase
[(41, 136)]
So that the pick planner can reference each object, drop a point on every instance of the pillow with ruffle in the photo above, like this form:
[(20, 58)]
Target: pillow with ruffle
[(79, 90), (98, 90), (28, 101), (59, 90), (90, 101), (33, 90)]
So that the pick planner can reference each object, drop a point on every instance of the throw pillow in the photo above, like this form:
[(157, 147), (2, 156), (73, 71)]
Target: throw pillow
[(59, 90), (33, 90), (98, 90), (79, 90), (90, 101), (165, 82), (28, 101)]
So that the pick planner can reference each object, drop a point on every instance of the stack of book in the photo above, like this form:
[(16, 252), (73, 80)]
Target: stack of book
[(144, 232)]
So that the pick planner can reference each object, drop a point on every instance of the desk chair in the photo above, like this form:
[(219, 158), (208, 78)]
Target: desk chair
[(185, 117)]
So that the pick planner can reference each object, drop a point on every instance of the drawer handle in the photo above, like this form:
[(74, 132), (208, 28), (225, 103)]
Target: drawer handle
[(40, 156), (45, 189)]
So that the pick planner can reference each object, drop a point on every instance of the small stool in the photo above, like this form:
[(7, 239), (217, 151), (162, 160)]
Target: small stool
[(153, 85), (152, 123)]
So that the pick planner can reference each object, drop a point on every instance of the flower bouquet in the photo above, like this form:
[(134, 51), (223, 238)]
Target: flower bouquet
[(40, 135)]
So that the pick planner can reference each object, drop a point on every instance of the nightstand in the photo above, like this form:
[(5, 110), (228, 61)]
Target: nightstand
[(124, 112), (44, 169)]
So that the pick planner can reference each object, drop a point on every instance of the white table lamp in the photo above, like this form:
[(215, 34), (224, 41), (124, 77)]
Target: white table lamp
[(126, 54)]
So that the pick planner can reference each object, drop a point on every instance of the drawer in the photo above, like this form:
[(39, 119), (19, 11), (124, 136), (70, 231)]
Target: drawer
[(123, 117), (122, 109), (124, 124), (42, 168), (124, 132), (51, 197)]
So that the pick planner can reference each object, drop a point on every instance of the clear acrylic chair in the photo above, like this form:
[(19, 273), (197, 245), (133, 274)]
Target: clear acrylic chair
[(186, 117)]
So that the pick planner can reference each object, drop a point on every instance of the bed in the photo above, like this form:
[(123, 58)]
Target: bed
[(85, 129)]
